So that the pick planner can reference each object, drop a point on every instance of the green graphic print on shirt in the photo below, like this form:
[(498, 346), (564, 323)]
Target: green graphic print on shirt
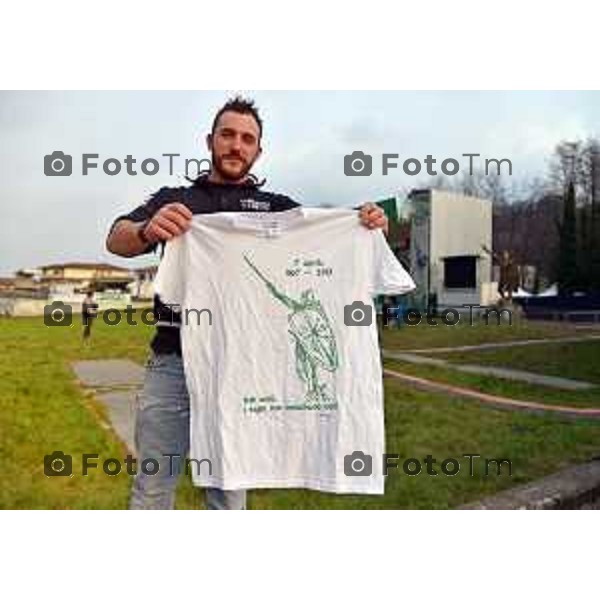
[(312, 337)]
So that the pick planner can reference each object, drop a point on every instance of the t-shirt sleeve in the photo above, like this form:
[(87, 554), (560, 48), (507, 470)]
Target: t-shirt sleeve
[(169, 282), (389, 276)]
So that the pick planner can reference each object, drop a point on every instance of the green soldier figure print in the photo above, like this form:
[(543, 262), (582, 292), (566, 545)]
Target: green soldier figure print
[(312, 336)]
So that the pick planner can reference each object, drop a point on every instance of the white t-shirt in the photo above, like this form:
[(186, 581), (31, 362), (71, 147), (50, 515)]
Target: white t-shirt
[(282, 390)]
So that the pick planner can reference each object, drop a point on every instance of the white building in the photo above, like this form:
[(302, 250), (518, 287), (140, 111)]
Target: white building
[(445, 255), (32, 289)]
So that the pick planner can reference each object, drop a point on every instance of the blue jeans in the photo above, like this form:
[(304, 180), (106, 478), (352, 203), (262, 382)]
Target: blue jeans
[(162, 428)]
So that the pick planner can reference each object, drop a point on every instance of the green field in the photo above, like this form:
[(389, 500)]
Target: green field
[(43, 409)]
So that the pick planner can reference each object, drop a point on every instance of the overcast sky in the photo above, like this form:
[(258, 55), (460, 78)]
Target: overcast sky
[(307, 134)]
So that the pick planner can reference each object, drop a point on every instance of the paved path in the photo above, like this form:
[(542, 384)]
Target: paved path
[(115, 383), (108, 373), (493, 400), (497, 345), (501, 372)]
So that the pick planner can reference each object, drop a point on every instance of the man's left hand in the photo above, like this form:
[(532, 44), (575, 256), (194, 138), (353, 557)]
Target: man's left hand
[(373, 217)]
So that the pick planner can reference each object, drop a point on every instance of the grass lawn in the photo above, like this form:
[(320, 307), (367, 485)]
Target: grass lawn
[(578, 360), (418, 424), (42, 409), (413, 337)]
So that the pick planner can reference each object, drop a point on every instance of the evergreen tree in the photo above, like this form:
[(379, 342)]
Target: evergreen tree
[(594, 258), (568, 276)]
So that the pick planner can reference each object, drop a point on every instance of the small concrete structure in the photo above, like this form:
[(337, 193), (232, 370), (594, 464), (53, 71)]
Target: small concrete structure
[(445, 255), (573, 487)]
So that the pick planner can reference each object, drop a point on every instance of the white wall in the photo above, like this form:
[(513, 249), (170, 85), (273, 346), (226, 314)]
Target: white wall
[(21, 307), (29, 307), (460, 225)]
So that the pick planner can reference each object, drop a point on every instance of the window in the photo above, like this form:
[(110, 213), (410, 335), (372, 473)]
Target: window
[(460, 272)]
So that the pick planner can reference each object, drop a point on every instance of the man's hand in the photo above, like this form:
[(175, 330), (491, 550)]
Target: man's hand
[(169, 222), (373, 217), (132, 238)]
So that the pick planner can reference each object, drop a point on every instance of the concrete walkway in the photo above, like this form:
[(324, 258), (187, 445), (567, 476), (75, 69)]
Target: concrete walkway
[(500, 345), (109, 373), (501, 372), (115, 384)]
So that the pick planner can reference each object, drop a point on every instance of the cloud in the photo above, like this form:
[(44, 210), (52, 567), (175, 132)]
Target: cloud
[(308, 135)]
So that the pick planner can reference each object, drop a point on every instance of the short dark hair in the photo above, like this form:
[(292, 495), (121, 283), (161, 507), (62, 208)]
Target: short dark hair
[(242, 106)]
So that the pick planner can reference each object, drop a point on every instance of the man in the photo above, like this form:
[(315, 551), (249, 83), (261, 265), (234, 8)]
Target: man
[(162, 421), (89, 310)]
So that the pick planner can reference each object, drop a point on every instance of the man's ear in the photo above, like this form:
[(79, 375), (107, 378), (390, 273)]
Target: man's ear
[(209, 142)]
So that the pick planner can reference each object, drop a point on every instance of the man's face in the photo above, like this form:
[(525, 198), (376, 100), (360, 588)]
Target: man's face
[(234, 145)]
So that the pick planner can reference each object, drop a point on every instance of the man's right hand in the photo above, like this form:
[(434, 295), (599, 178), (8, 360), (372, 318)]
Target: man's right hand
[(132, 238), (169, 222)]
